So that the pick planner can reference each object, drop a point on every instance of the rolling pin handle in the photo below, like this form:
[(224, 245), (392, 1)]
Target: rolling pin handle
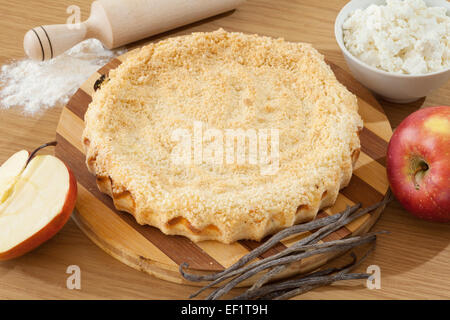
[(45, 42)]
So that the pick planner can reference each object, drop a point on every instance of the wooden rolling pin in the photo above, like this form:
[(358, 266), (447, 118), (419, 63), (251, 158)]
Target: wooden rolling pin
[(118, 22)]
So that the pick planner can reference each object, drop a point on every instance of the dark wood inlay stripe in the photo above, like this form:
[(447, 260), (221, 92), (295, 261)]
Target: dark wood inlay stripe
[(374, 146), (250, 245), (360, 192), (79, 103), (114, 63), (177, 248), (322, 214), (378, 146)]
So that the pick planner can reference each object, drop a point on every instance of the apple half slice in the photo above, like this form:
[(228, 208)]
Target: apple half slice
[(36, 200)]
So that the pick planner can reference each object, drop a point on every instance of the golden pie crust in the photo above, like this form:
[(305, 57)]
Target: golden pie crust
[(224, 81)]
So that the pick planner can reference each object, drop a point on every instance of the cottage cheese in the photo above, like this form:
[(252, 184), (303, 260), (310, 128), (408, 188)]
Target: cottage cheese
[(401, 37)]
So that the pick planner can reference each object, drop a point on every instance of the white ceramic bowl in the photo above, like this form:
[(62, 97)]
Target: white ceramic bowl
[(399, 88)]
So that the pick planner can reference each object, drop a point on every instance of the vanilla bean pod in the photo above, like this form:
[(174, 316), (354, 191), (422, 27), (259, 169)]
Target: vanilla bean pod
[(301, 284), (343, 220), (368, 209), (300, 290), (281, 293), (336, 221), (220, 291), (320, 282), (269, 275), (283, 290), (315, 224), (278, 269), (288, 259), (298, 246), (316, 236), (306, 288)]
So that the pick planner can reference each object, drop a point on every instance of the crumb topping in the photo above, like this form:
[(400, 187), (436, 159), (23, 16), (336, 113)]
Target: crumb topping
[(224, 81)]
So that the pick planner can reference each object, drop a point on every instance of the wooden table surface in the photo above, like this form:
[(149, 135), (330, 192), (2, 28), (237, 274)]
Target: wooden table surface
[(414, 258)]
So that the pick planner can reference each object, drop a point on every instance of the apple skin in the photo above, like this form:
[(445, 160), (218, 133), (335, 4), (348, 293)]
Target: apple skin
[(51, 228), (418, 163)]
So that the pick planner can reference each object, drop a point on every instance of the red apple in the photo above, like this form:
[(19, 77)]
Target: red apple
[(418, 163), (37, 197)]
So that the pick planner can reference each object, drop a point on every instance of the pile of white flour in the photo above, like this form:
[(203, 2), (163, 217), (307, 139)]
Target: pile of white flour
[(37, 86)]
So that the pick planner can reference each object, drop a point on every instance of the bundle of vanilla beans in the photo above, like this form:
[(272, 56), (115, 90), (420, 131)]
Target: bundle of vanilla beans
[(275, 264)]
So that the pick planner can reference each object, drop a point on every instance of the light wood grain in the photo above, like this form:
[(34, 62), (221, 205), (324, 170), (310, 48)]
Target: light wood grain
[(413, 259)]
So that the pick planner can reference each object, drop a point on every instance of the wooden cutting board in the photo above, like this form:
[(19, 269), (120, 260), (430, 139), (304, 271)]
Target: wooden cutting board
[(148, 249)]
